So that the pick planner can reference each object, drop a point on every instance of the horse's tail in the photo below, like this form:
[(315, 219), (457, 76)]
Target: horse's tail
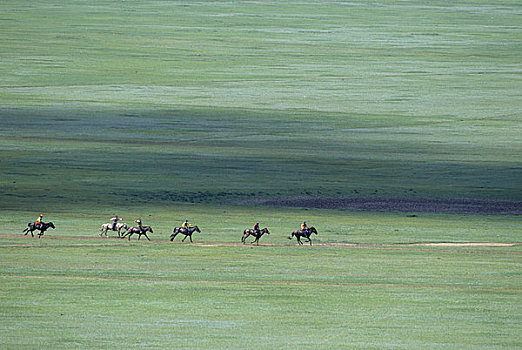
[(245, 235)]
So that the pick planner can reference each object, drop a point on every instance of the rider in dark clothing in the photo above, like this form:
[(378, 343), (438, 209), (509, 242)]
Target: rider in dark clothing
[(256, 228), (115, 220)]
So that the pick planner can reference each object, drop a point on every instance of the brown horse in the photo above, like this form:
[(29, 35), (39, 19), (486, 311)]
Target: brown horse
[(305, 234), (42, 227), (140, 231), (256, 234), (183, 230)]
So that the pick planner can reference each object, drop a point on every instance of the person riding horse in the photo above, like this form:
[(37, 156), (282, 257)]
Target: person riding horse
[(115, 220), (38, 222), (256, 228), (304, 228), (186, 225), (138, 221)]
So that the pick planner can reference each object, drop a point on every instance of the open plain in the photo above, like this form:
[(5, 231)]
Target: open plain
[(393, 127)]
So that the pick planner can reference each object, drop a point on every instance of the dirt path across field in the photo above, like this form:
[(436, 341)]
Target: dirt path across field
[(86, 241)]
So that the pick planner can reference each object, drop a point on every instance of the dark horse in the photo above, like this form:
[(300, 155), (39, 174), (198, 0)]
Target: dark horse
[(299, 233), (133, 230), (183, 230), (256, 234), (43, 226)]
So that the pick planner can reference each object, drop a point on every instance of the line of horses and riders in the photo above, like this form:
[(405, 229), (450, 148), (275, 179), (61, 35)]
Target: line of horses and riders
[(185, 229)]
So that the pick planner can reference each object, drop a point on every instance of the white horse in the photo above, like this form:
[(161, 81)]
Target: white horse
[(108, 227)]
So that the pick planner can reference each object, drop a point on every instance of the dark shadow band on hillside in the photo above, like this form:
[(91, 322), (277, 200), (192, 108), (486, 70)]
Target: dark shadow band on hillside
[(413, 205)]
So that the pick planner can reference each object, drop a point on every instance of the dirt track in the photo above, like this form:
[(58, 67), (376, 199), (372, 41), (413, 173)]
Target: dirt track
[(91, 241)]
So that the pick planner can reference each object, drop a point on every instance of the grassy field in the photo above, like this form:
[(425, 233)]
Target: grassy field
[(65, 293), (169, 110), (162, 100)]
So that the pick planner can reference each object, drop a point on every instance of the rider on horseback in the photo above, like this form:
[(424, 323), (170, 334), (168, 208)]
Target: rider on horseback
[(256, 228), (186, 225), (38, 222), (115, 220), (304, 228), (138, 221)]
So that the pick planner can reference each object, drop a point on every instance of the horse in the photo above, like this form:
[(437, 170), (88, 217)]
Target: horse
[(299, 233), (42, 227), (256, 234), (183, 231), (143, 231), (108, 227)]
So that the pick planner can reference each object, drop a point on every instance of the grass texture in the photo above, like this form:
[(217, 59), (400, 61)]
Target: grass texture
[(169, 110)]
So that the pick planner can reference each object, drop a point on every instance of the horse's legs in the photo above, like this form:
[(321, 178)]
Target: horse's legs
[(191, 239), (172, 236), (245, 236), (130, 234), (184, 238), (146, 236)]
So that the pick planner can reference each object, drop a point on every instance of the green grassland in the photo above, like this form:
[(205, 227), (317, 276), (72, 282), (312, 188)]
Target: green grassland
[(167, 110), (63, 294), (234, 99)]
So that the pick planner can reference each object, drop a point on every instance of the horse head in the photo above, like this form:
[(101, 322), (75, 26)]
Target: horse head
[(149, 229), (50, 224), (265, 230), (197, 229), (312, 229)]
